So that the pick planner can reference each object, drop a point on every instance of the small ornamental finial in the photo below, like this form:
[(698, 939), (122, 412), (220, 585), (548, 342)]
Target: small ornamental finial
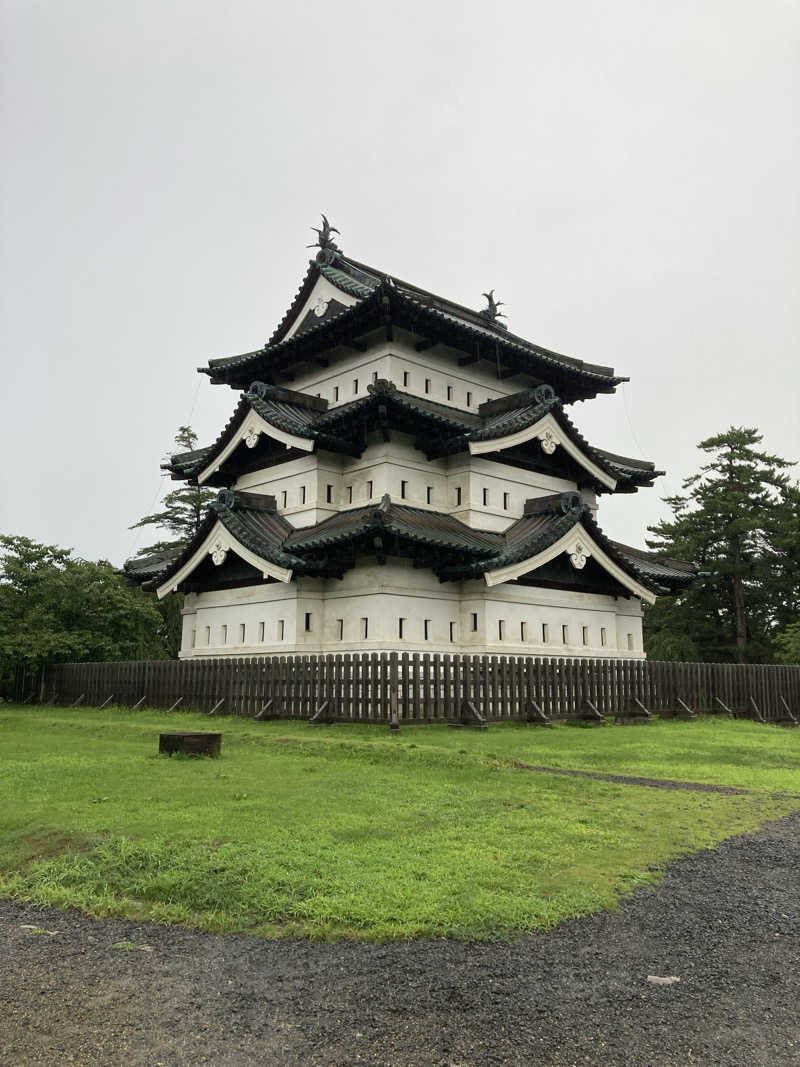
[(324, 239), (491, 313)]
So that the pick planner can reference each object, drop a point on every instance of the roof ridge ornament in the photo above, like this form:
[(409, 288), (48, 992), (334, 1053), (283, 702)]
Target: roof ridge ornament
[(227, 498), (492, 313), (325, 243)]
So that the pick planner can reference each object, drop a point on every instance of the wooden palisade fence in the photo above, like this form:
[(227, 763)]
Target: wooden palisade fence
[(423, 688)]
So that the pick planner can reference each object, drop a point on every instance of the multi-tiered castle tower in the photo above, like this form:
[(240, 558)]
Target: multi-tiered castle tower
[(400, 472)]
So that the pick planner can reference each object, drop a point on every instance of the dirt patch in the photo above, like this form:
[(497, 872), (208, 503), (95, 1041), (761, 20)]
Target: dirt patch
[(653, 783), (726, 922), (45, 844)]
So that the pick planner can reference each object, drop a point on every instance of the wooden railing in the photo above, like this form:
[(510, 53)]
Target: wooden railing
[(421, 688)]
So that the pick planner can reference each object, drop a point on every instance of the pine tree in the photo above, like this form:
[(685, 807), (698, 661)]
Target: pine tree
[(183, 510), (739, 522)]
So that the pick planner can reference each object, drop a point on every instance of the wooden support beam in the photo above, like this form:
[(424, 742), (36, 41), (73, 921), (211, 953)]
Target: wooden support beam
[(75, 703), (216, 707), (106, 701), (586, 715), (177, 702), (263, 711), (470, 716), (724, 707), (787, 718), (139, 702), (634, 715), (323, 716), (756, 711), (535, 716), (687, 714)]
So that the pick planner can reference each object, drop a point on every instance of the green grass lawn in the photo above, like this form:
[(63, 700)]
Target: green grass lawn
[(347, 831)]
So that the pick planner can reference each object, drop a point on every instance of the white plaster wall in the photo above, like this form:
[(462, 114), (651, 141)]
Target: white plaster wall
[(384, 594), (387, 465), (429, 374)]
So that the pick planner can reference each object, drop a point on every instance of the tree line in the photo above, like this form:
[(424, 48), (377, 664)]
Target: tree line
[(738, 519)]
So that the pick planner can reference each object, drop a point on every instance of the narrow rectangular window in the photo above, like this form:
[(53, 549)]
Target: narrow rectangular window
[(194, 638), (474, 622), (349, 491), (452, 631), (281, 629), (369, 490), (336, 392), (506, 501), (585, 634), (355, 386), (308, 622), (242, 633), (603, 636), (630, 641), (429, 494), (523, 632), (319, 396), (224, 634), (485, 497), (302, 494), (545, 633), (401, 626), (469, 399), (565, 635), (340, 629), (261, 628), (427, 385), (501, 629), (405, 377), (403, 488), (284, 497), (208, 635), (449, 392), (374, 376), (364, 629), (426, 629), (329, 494), (458, 495)]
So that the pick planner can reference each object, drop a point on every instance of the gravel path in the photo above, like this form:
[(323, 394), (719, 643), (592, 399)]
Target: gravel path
[(726, 922)]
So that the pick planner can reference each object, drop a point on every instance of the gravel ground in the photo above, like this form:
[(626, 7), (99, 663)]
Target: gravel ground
[(726, 922)]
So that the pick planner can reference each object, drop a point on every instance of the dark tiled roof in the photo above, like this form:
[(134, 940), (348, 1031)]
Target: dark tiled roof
[(141, 568), (663, 569), (251, 518), (383, 299), (341, 428), (450, 547), (411, 524)]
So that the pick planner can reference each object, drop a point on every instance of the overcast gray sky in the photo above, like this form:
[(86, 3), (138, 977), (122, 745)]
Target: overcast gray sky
[(623, 174)]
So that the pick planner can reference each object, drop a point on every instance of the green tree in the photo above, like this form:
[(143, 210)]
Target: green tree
[(739, 523), (55, 607), (787, 644), (182, 514), (183, 510)]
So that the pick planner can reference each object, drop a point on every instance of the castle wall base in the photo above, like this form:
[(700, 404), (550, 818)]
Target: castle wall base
[(399, 608)]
